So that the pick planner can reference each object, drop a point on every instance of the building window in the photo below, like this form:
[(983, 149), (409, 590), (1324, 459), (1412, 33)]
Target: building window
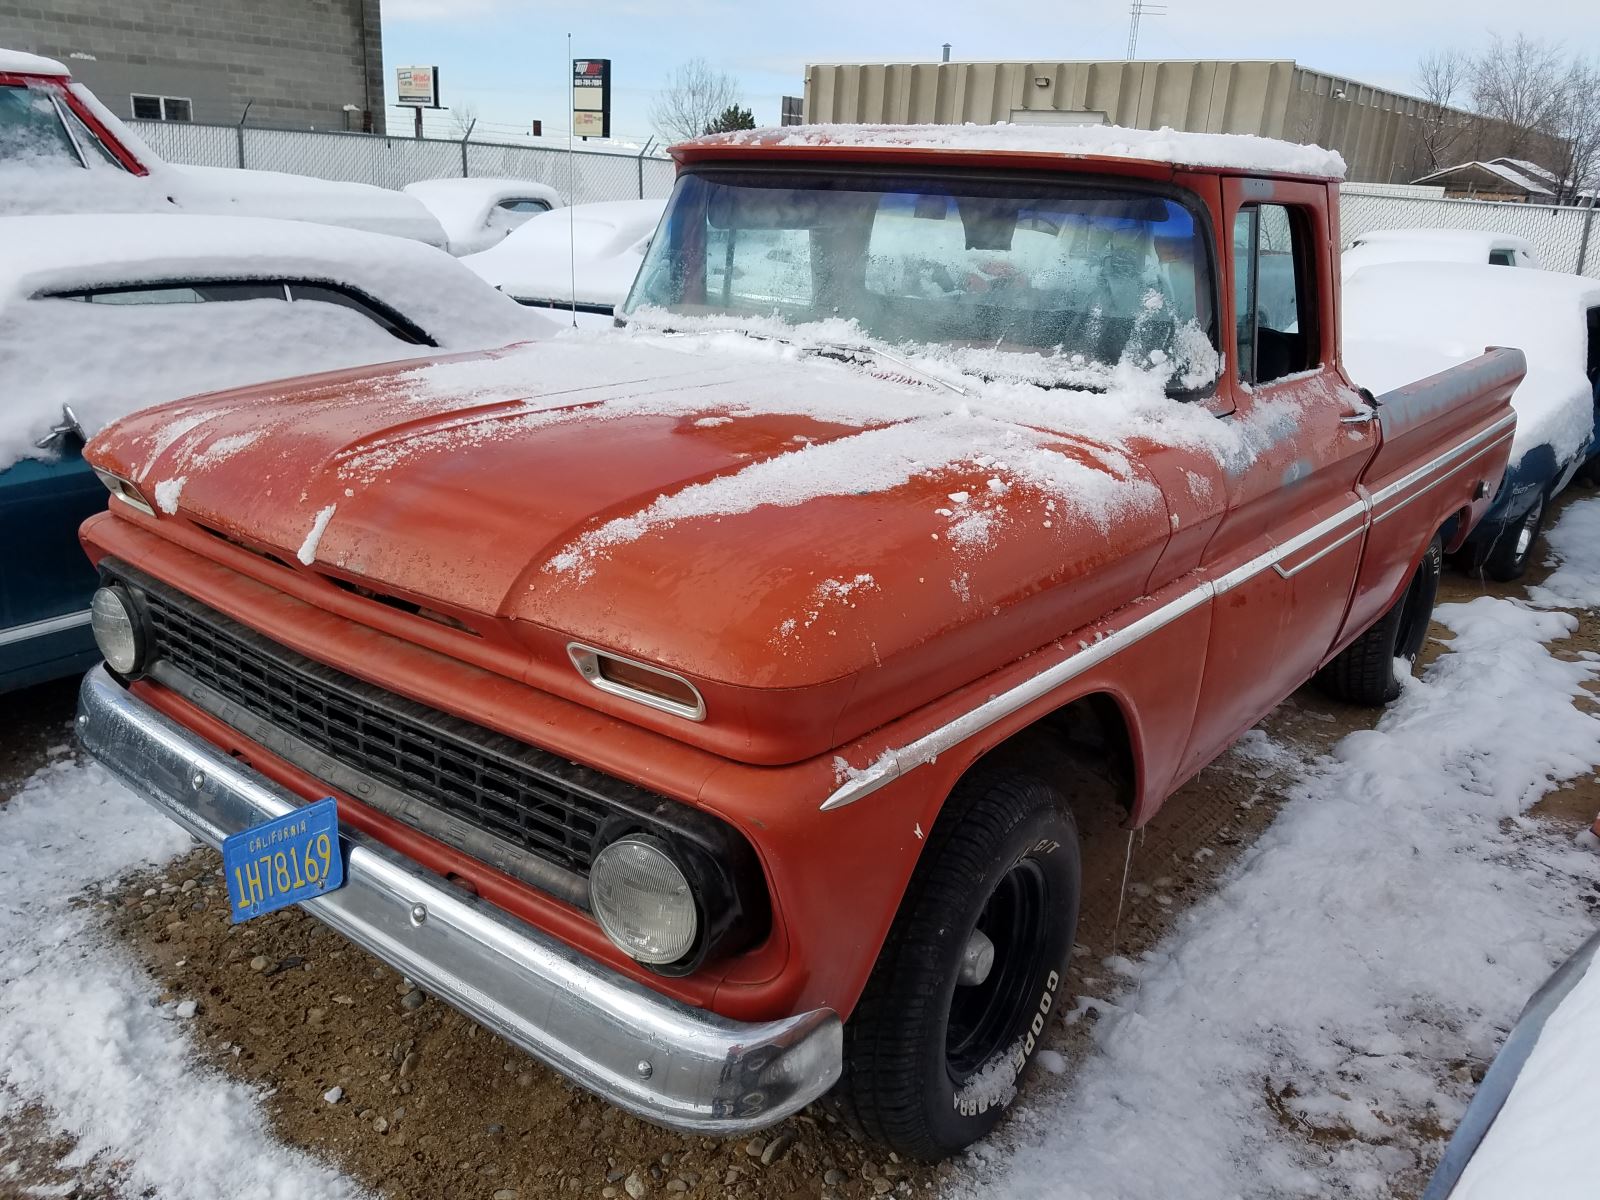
[(162, 108)]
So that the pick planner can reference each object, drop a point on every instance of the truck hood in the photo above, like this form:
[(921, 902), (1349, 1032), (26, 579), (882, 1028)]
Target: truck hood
[(752, 521)]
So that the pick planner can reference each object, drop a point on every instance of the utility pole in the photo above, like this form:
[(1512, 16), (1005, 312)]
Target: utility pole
[(1139, 8)]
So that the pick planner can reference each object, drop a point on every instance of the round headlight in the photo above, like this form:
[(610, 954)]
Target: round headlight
[(643, 900), (115, 630)]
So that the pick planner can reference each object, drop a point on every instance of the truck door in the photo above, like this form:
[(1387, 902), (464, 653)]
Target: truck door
[(1284, 558)]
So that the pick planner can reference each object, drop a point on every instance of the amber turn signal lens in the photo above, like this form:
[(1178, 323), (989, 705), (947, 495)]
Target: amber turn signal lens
[(638, 681), (643, 679)]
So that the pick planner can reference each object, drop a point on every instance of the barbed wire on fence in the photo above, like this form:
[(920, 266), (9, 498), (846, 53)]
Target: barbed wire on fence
[(393, 162)]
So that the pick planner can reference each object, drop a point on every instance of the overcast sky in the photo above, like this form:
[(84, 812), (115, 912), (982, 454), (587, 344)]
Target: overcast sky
[(508, 58)]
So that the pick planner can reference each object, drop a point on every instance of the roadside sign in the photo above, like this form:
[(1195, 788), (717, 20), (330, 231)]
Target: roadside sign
[(591, 97), (417, 87)]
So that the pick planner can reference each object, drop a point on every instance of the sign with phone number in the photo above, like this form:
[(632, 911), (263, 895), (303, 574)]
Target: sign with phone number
[(283, 861)]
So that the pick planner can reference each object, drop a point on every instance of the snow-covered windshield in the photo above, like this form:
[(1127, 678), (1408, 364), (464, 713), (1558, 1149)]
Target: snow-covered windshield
[(31, 127), (1056, 282)]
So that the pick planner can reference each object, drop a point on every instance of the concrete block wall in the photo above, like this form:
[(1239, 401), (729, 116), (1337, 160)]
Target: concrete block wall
[(298, 62)]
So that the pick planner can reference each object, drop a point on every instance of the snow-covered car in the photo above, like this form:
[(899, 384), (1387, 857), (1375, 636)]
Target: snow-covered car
[(1530, 1129), (62, 151), (1405, 318), (1379, 246), (101, 315), (583, 258), (479, 213)]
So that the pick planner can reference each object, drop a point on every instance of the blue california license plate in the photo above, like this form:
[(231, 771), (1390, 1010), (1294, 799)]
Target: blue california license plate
[(283, 861)]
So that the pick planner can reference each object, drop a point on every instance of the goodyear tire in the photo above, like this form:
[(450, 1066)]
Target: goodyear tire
[(1364, 672), (937, 1043)]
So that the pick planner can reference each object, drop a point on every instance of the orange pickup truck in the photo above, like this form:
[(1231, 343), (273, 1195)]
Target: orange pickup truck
[(707, 702)]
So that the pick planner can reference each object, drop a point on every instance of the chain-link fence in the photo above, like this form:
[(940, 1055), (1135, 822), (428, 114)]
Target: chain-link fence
[(1567, 239), (393, 162)]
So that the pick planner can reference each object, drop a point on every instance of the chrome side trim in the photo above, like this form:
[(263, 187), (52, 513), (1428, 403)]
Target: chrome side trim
[(1291, 572), (678, 1066), (893, 763), (44, 628), (1399, 485), (587, 660), (1450, 474)]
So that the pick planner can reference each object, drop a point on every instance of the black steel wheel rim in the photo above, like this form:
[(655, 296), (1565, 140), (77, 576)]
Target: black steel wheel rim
[(987, 1018)]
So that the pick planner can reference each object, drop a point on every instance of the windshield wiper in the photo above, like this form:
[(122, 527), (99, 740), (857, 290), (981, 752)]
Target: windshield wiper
[(847, 351)]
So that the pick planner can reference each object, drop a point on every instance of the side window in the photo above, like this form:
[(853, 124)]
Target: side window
[(1594, 352), (1502, 258), (525, 206), (177, 293), (386, 319), (1273, 289)]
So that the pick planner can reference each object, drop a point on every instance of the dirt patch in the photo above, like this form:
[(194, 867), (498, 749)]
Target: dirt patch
[(35, 1161)]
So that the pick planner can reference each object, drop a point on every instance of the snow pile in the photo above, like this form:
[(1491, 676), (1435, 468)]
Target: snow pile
[(466, 208), (1404, 321), (1542, 1142), (1238, 151), (79, 1034), (110, 359), (1298, 1033)]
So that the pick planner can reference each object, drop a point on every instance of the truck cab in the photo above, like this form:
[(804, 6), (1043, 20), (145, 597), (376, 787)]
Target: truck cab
[(709, 704)]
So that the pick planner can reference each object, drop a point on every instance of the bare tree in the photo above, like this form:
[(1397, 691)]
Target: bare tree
[(1521, 84), (695, 95), (1441, 77), (1576, 127), (463, 117)]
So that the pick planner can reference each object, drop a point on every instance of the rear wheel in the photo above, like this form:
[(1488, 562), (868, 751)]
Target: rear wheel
[(1507, 557), (1365, 671), (968, 977)]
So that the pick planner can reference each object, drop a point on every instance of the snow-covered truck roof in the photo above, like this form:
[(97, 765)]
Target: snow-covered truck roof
[(19, 62), (463, 206), (1218, 151), (588, 252)]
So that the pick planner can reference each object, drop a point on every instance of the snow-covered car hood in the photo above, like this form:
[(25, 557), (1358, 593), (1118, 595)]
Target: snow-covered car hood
[(1405, 321), (107, 360), (227, 191), (587, 252)]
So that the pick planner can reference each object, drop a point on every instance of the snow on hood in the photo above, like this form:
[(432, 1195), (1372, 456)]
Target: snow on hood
[(463, 206), (1403, 321), (108, 360), (602, 243), (1236, 151)]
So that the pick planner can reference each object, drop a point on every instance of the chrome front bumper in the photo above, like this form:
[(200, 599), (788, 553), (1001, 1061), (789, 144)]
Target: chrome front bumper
[(664, 1061)]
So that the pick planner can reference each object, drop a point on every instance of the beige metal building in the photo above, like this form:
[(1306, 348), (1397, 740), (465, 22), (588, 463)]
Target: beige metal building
[(1380, 133)]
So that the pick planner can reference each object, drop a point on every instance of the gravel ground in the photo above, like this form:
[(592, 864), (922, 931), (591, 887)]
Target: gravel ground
[(414, 1100)]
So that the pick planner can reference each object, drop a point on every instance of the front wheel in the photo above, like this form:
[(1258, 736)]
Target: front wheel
[(969, 975), (1365, 671)]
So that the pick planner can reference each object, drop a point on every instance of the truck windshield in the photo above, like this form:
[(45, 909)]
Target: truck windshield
[(1057, 283), (31, 128)]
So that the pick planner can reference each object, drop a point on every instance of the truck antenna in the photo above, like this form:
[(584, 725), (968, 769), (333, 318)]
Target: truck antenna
[(572, 195)]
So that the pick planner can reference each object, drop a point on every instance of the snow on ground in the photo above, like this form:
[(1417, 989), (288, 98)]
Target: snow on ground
[(1575, 545), (80, 1028), (1297, 1035)]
